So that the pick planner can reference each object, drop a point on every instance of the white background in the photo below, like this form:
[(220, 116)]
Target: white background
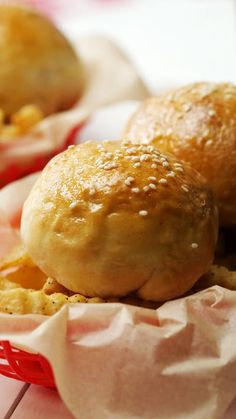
[(171, 41)]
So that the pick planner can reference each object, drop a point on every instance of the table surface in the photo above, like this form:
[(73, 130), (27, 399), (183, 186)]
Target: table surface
[(22, 401)]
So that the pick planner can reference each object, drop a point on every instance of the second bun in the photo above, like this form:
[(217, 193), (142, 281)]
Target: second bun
[(196, 123)]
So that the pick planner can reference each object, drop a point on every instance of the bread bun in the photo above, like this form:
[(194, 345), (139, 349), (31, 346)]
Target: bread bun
[(198, 124), (113, 218), (37, 64)]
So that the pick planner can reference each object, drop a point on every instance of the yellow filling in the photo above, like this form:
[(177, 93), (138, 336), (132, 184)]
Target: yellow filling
[(20, 122)]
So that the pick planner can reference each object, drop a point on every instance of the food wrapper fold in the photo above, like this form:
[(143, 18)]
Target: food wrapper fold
[(119, 361), (114, 360)]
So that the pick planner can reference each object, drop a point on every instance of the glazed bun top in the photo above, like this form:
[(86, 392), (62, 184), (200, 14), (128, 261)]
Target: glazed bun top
[(197, 123), (37, 64), (114, 218)]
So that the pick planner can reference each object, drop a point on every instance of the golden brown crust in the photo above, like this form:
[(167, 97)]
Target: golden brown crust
[(106, 220), (198, 124), (37, 64)]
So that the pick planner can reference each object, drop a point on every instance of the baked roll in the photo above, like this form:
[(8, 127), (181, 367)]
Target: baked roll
[(196, 123), (38, 66), (106, 220)]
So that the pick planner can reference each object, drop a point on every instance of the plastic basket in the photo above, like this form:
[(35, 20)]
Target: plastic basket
[(25, 366), (16, 363), (17, 171)]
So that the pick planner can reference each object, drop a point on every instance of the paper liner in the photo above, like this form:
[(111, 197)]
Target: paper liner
[(120, 361), (117, 361), (104, 63)]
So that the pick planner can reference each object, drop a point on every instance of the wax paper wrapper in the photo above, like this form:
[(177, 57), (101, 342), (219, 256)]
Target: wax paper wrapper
[(122, 361), (111, 78)]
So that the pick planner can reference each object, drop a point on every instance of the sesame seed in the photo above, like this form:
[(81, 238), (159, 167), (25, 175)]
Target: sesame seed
[(144, 157), (153, 178), (209, 142), (73, 204), (150, 148), (135, 190), (71, 146), (185, 188), (177, 164), (153, 166), (143, 213), (211, 112), (152, 186), (129, 180), (206, 133), (171, 174), (92, 192), (169, 131), (179, 169), (194, 245), (165, 164), (131, 150), (146, 188), (108, 166), (163, 181), (144, 148), (135, 158), (98, 161), (187, 107), (108, 155), (138, 164)]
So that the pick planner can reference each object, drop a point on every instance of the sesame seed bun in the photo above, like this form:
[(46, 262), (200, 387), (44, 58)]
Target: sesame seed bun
[(198, 124), (114, 218), (38, 65)]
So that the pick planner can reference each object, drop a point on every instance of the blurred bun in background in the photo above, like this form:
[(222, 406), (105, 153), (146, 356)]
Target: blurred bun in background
[(38, 65)]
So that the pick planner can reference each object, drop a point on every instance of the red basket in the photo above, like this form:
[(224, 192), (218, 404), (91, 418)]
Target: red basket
[(25, 366), (16, 363), (16, 171)]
